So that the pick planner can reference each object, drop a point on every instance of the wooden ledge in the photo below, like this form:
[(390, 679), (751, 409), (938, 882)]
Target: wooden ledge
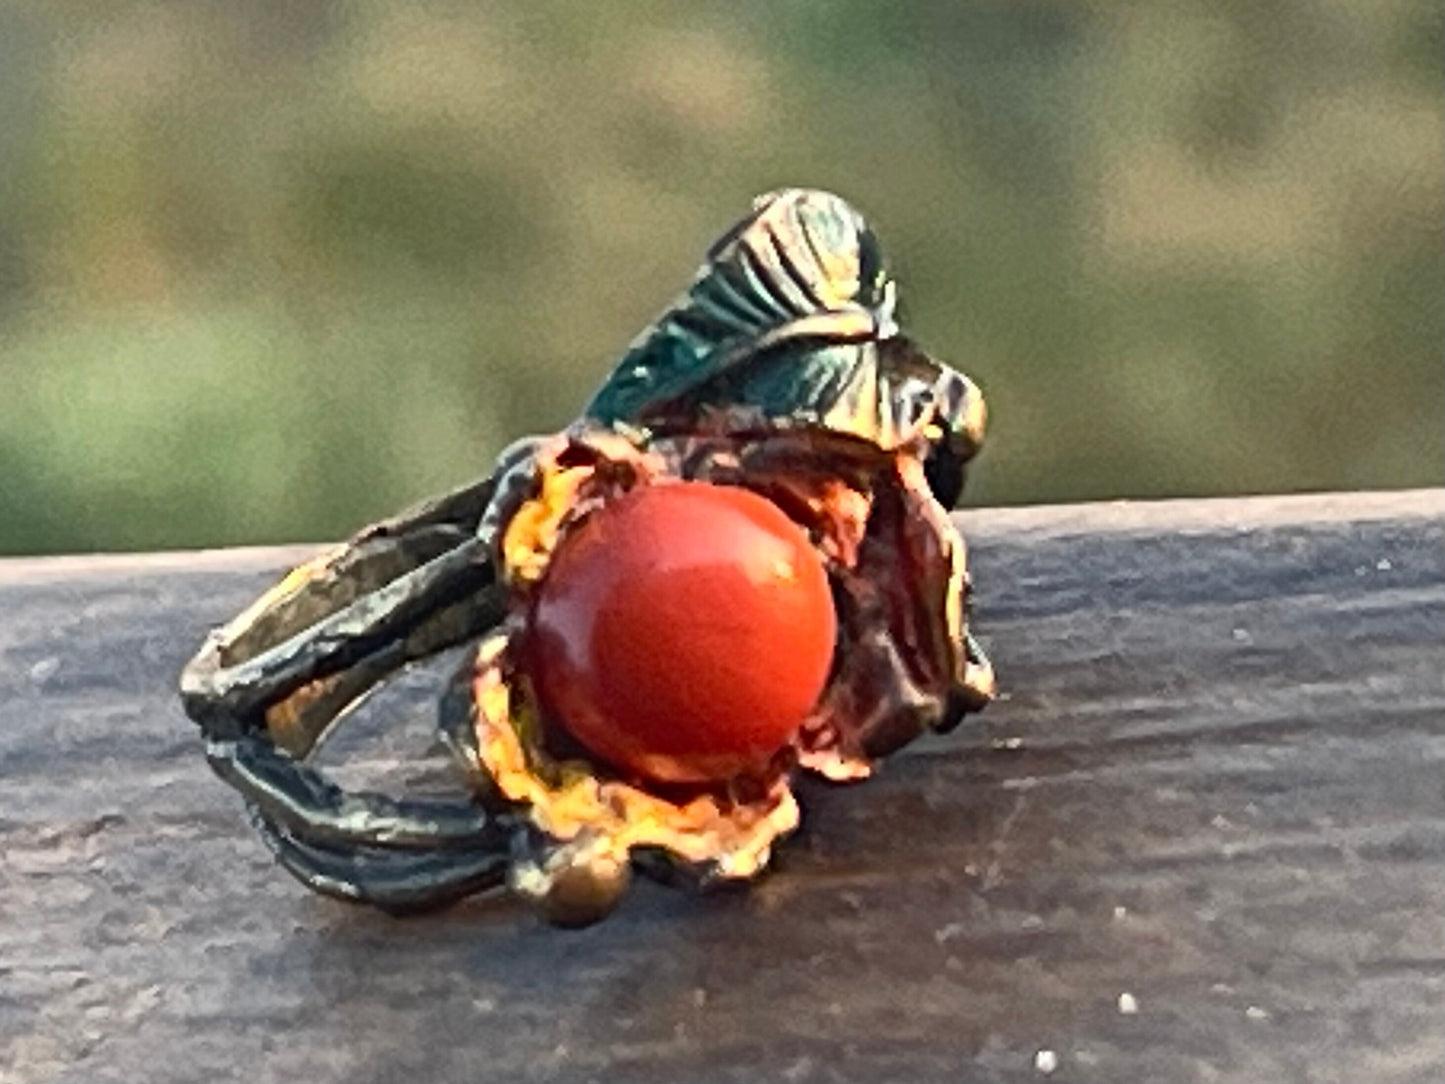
[(1202, 839)]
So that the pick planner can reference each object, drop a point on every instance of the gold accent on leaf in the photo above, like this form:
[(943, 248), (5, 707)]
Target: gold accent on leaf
[(567, 799)]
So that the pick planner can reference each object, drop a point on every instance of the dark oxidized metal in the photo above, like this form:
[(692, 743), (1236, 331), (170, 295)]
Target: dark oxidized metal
[(781, 369)]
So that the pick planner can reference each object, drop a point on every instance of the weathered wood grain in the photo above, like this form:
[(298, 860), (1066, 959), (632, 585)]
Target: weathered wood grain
[(1217, 786)]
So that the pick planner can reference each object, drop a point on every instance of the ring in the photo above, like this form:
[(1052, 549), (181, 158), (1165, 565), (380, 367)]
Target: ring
[(735, 565)]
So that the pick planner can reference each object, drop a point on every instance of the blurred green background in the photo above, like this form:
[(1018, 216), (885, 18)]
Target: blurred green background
[(270, 270)]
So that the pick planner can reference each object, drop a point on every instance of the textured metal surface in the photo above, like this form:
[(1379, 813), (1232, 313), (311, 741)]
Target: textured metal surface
[(1217, 786), (791, 318)]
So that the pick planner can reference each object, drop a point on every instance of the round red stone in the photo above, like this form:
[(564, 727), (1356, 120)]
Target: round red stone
[(683, 631)]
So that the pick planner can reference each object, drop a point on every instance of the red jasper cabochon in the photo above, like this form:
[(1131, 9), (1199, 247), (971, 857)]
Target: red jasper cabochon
[(683, 631)]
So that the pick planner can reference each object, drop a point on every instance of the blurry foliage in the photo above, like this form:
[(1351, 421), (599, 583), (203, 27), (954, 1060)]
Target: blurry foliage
[(268, 270)]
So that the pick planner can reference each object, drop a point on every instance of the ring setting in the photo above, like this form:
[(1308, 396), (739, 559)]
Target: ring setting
[(735, 566)]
